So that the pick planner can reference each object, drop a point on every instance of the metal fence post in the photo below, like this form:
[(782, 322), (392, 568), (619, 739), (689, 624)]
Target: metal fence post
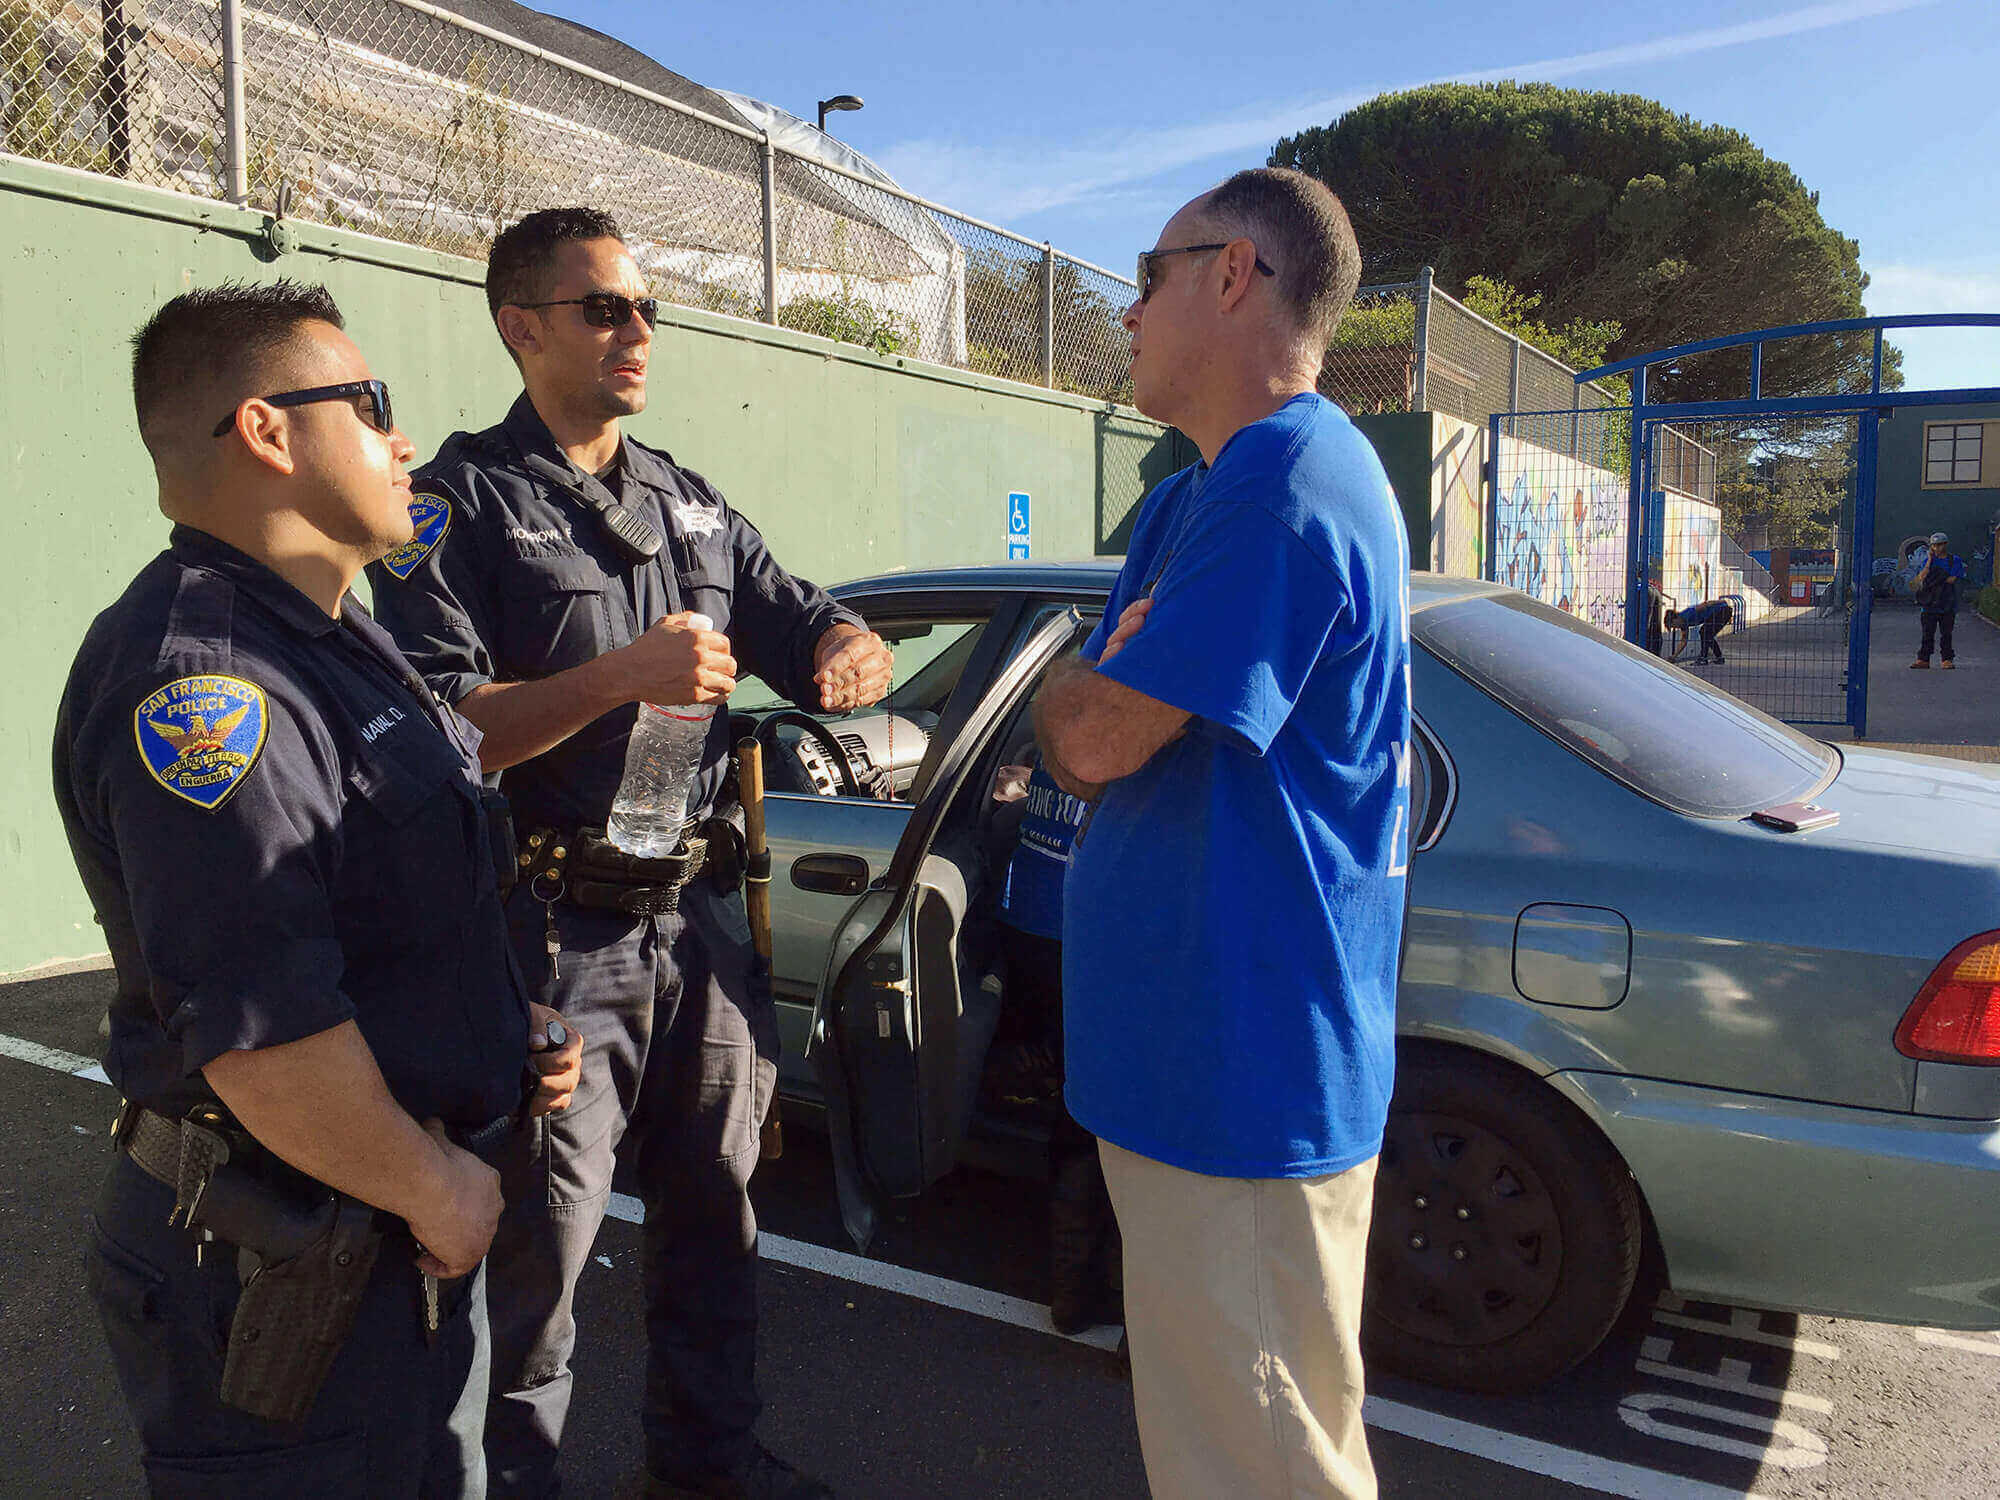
[(235, 132), (770, 197), (1514, 378), (1048, 315), (1638, 546), (1420, 400)]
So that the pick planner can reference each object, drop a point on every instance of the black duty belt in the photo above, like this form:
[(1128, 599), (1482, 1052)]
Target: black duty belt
[(585, 868)]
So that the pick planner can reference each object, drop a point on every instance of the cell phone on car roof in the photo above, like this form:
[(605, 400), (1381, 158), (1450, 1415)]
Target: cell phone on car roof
[(1795, 817)]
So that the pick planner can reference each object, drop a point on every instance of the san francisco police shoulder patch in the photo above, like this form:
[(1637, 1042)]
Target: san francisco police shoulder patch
[(431, 515), (200, 736)]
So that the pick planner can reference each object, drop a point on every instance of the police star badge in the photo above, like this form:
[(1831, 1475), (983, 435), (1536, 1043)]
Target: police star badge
[(199, 736), (431, 515), (695, 519)]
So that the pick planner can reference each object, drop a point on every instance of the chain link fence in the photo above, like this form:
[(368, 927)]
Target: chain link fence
[(1406, 346), (126, 88), (1371, 365), (405, 120), (1474, 369)]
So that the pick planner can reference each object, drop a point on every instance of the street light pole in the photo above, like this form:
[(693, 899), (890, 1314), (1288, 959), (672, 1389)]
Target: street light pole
[(837, 102)]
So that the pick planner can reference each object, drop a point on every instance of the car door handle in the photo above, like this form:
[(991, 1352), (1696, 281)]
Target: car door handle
[(831, 874)]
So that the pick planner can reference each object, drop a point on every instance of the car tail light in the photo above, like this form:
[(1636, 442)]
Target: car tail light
[(1956, 1015)]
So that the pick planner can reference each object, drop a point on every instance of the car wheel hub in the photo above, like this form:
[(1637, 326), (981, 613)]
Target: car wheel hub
[(1466, 1247)]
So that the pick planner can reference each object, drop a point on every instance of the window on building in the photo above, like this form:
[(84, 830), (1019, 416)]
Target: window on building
[(1952, 452)]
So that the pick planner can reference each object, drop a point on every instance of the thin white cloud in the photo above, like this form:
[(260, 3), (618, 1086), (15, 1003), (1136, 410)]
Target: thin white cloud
[(1928, 289), (1009, 182)]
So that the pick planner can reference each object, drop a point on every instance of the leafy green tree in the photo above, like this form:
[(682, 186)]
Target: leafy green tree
[(1579, 344), (1610, 208)]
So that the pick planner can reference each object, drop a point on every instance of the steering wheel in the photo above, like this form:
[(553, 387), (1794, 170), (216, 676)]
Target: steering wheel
[(812, 729)]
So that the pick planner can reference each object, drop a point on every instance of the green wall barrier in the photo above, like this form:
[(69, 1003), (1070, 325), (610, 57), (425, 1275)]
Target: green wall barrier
[(851, 462)]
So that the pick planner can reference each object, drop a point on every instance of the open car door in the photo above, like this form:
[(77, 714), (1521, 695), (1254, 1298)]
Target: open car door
[(885, 1031)]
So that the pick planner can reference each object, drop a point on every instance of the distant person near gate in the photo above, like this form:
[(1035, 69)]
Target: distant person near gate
[(1936, 591)]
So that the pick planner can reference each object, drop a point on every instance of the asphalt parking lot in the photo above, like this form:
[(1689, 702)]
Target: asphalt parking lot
[(929, 1369)]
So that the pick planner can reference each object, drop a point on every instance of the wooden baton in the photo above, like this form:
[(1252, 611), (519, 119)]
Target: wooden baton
[(757, 899)]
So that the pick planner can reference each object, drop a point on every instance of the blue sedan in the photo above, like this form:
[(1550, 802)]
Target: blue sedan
[(1678, 979)]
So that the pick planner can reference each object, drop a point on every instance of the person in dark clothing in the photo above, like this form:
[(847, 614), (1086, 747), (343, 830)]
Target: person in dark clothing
[(557, 579), (286, 840), (1084, 1247), (1936, 592), (1711, 617)]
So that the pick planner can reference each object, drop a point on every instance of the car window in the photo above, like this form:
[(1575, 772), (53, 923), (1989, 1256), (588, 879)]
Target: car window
[(930, 655), (1661, 731), (932, 651)]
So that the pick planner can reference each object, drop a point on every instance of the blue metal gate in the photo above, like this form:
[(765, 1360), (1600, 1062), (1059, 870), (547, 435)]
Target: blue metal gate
[(1618, 516)]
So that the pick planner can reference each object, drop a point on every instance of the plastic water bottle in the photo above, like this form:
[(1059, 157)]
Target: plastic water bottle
[(660, 761)]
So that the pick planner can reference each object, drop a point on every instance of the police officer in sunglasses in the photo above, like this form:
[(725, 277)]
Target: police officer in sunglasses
[(550, 588)]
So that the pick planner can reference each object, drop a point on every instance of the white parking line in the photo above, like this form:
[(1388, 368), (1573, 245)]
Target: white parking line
[(1630, 1481), (893, 1278), (1958, 1341), (52, 1058)]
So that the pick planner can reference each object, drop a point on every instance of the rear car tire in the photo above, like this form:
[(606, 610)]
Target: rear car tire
[(1507, 1232)]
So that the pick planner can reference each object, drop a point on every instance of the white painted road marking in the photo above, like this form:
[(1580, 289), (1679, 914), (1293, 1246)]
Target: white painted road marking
[(893, 1278), (53, 1058), (1630, 1481), (1801, 1449), (1733, 1378), (1959, 1341), (1744, 1323)]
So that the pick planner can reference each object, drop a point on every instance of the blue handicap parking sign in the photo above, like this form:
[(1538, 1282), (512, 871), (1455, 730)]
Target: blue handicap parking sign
[(1018, 533)]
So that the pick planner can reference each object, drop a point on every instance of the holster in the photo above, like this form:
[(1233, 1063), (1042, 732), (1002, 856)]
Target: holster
[(586, 868), (303, 1252), (294, 1313)]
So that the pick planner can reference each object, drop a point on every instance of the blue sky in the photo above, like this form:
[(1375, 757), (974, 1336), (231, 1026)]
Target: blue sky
[(1088, 125)]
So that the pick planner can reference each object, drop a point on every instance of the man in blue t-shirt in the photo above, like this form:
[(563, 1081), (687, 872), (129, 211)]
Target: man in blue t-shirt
[(1234, 903), (1936, 591)]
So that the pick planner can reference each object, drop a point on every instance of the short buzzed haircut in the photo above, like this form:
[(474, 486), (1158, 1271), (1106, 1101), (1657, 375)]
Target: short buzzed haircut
[(521, 267), (1301, 230), (212, 348)]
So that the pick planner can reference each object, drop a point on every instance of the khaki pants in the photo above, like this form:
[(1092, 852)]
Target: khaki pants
[(1243, 1312)]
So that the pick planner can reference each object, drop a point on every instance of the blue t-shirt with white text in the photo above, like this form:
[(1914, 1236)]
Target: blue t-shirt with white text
[(1234, 908), (1032, 899)]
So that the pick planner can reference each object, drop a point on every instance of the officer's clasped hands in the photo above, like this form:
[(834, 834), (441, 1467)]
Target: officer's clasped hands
[(677, 662), (457, 1218), (852, 668), (557, 1066)]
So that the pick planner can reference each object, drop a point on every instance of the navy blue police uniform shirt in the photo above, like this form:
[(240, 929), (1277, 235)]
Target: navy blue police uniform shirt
[(511, 579), (1698, 615), (281, 830)]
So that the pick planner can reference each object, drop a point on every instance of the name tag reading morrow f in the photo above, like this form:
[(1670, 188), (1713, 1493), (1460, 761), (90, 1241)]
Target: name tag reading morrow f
[(1017, 526), (199, 736)]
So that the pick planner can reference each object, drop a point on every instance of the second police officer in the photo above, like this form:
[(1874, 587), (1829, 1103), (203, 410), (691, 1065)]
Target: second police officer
[(549, 589)]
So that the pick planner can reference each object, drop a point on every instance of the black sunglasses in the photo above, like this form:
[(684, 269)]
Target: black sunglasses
[(1147, 257), (378, 415), (608, 309)]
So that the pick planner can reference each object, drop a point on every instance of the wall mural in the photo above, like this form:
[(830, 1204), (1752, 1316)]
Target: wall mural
[(1560, 532)]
